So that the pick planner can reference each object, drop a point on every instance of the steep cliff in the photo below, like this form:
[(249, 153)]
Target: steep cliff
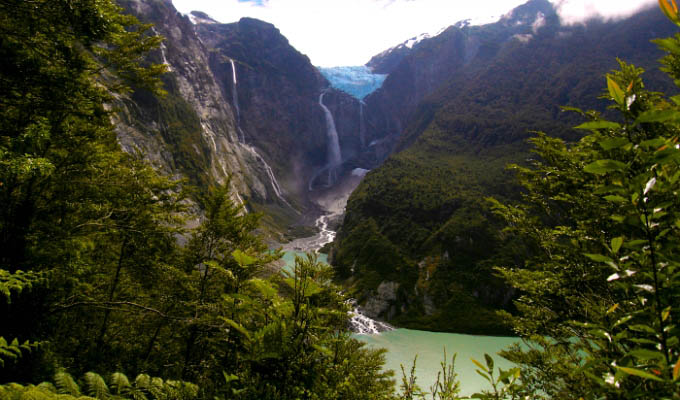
[(277, 91), (190, 132), (242, 102)]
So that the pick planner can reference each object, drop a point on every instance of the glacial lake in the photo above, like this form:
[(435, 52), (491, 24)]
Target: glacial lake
[(404, 344)]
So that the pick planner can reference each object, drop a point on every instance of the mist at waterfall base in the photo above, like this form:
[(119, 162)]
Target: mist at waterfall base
[(403, 345)]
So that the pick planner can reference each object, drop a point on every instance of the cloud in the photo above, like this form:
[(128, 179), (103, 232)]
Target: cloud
[(578, 11), (350, 32)]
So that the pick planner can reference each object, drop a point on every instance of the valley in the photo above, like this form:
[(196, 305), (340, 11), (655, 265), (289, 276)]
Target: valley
[(193, 209)]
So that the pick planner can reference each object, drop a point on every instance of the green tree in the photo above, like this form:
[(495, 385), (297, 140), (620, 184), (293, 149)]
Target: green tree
[(599, 288), (68, 192)]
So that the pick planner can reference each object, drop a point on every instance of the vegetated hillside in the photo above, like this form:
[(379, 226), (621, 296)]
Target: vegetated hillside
[(422, 69), (418, 242)]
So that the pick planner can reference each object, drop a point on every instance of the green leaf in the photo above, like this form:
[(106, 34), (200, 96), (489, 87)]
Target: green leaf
[(658, 116), (623, 320), (646, 355), (615, 90), (676, 371), (238, 327), (229, 378), (653, 143), (639, 373), (601, 167), (665, 156), (242, 258), (489, 361), (598, 257), (614, 143), (600, 124), (615, 199), (616, 244), (477, 363)]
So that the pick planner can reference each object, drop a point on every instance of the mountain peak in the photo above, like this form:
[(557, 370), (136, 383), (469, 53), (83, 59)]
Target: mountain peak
[(199, 17)]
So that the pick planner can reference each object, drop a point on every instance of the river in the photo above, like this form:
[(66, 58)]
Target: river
[(402, 344)]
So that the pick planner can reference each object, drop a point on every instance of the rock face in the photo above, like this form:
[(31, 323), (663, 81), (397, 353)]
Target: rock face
[(192, 131), (382, 303), (278, 101), (242, 102)]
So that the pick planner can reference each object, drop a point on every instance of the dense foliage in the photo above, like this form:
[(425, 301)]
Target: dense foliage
[(105, 265), (599, 287), (599, 284)]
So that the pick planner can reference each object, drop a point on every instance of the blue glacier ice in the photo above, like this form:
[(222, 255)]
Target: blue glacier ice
[(357, 81)]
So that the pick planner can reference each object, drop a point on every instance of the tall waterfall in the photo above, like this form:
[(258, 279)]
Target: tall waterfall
[(362, 127), (234, 96), (334, 155)]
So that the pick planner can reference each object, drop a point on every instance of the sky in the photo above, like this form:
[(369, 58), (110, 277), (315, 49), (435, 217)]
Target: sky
[(349, 32)]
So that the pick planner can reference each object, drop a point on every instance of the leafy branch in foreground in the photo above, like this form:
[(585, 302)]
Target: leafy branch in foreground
[(599, 292)]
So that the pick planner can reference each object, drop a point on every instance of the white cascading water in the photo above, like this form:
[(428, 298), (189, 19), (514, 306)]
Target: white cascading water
[(358, 323), (334, 155), (269, 171), (234, 96), (362, 128), (363, 325), (241, 139)]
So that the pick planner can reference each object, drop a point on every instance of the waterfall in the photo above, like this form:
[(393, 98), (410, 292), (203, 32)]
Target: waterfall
[(162, 48), (270, 174), (362, 128), (242, 138), (334, 156), (234, 96), (165, 59)]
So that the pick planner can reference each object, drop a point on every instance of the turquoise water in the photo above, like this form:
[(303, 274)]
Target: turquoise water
[(403, 344), (289, 258)]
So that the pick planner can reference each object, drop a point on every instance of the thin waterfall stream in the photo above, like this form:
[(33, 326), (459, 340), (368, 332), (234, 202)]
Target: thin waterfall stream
[(334, 154), (241, 138)]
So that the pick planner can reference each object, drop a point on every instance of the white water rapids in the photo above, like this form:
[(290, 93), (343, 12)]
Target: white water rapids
[(333, 202)]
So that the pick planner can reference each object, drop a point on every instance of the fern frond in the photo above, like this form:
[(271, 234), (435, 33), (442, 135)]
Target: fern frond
[(142, 381), (144, 388), (96, 387), (48, 387), (13, 350), (65, 384), (19, 281), (119, 383)]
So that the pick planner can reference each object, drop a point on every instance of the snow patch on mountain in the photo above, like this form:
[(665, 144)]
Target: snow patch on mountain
[(199, 17), (356, 81)]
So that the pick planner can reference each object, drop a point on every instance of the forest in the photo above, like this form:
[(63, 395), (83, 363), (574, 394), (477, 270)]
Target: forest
[(109, 291)]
